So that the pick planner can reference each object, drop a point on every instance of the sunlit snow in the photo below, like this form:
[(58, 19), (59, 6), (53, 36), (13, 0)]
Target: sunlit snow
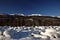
[(30, 33)]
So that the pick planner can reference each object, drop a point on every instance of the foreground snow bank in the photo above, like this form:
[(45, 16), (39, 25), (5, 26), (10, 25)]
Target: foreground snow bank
[(30, 33)]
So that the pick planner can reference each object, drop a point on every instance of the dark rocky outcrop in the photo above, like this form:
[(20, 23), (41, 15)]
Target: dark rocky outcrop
[(18, 20)]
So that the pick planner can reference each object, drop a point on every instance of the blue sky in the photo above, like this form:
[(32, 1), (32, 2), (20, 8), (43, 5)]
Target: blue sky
[(44, 7)]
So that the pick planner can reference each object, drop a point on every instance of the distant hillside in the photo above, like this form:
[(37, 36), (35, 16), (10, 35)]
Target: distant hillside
[(18, 20)]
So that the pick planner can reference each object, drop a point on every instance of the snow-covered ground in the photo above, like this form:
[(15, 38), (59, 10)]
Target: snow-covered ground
[(30, 33)]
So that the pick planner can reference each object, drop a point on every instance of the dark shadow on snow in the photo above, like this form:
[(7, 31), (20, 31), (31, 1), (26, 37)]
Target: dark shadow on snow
[(17, 35)]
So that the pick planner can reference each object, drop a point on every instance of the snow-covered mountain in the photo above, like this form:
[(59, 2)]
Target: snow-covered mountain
[(31, 27)]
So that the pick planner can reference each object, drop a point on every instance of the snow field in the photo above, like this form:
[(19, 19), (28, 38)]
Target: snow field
[(30, 33)]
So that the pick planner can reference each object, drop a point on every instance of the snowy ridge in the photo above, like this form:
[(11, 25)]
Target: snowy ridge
[(21, 14), (32, 15), (27, 15), (58, 16), (35, 15)]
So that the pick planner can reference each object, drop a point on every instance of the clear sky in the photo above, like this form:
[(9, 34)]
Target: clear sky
[(44, 7)]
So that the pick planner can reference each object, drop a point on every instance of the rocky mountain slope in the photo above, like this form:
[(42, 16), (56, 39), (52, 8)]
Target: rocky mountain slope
[(21, 20)]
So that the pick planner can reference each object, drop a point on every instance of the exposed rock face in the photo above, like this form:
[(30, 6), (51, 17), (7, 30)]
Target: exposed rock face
[(18, 20)]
